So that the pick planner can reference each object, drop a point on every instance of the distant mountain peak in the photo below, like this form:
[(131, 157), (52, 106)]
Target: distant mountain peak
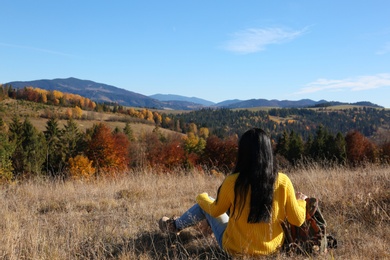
[(103, 93), (172, 97)]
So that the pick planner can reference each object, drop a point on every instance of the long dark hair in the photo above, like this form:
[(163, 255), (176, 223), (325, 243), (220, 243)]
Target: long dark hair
[(255, 166)]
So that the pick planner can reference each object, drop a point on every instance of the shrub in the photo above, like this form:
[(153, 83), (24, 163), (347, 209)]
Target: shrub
[(80, 167)]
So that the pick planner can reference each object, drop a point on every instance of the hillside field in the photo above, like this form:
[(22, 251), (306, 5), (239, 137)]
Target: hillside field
[(34, 112), (117, 218)]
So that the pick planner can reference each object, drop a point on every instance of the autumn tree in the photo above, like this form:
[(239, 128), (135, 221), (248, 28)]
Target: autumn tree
[(359, 149), (173, 153), (204, 133), (220, 153), (159, 151), (108, 152), (194, 143), (152, 151), (80, 167), (77, 112), (122, 144), (385, 152)]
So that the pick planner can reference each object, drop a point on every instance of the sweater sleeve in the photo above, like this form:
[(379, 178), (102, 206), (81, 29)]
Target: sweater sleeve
[(217, 208), (295, 209)]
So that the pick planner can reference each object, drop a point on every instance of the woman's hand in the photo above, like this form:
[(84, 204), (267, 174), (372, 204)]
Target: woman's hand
[(300, 196)]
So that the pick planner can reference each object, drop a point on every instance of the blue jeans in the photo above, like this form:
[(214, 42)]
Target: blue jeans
[(196, 214)]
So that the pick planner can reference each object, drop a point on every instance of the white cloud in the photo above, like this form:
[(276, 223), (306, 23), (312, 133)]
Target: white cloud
[(350, 84), (385, 49), (256, 39)]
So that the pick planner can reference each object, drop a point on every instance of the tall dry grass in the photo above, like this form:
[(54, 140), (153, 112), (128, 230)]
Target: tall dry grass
[(117, 218)]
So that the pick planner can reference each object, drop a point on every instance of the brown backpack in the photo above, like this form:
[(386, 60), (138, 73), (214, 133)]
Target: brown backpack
[(311, 237)]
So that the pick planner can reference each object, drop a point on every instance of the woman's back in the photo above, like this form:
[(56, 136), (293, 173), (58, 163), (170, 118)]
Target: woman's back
[(262, 238)]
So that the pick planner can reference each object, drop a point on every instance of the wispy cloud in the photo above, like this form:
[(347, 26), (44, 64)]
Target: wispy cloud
[(349, 84), (384, 50), (35, 49), (256, 39)]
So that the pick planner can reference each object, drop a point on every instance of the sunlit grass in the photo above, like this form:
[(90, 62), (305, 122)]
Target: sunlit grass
[(117, 218)]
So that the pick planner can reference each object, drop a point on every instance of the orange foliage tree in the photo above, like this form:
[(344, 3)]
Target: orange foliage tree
[(220, 153), (80, 167), (385, 152), (108, 151), (359, 149), (155, 150), (172, 152)]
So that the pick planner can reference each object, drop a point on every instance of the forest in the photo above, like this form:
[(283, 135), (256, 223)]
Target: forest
[(202, 139)]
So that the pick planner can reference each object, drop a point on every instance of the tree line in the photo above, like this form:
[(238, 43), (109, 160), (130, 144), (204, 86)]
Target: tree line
[(221, 122), (68, 152), (303, 121), (205, 138)]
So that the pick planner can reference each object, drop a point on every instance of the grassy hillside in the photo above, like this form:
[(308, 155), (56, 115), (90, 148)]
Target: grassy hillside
[(117, 218), (34, 111)]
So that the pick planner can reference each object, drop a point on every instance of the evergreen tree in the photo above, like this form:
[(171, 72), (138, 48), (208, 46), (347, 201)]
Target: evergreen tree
[(339, 148), (15, 136), (55, 155), (72, 140), (317, 149), (283, 144), (33, 145), (308, 146), (116, 130), (295, 147), (128, 131), (6, 150)]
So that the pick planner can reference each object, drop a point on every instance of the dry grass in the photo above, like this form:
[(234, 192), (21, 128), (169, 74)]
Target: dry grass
[(117, 219)]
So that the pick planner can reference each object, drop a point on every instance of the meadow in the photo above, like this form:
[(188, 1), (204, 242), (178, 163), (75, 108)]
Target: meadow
[(116, 218)]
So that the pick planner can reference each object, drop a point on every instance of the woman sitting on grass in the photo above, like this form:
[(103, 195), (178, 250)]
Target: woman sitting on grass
[(251, 203)]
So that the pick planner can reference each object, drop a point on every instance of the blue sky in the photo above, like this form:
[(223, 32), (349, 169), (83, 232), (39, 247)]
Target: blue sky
[(215, 50)]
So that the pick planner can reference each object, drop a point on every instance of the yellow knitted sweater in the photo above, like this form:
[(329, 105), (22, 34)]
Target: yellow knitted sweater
[(241, 237)]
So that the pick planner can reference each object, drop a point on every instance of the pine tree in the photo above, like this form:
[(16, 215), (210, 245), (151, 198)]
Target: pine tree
[(128, 131), (6, 150), (295, 147), (72, 140), (55, 155), (33, 145), (339, 148), (283, 144), (15, 136)]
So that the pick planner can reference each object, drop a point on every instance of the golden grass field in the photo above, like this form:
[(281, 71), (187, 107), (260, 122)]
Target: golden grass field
[(117, 218)]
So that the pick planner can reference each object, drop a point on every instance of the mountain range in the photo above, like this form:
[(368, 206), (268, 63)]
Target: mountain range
[(103, 93)]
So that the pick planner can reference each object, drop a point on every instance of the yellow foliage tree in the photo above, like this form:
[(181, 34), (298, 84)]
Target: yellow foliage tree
[(168, 120), (191, 142), (204, 132), (80, 167), (57, 94), (77, 112), (157, 118)]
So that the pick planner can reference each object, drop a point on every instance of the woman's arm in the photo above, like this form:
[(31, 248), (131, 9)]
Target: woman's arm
[(295, 208), (217, 207)]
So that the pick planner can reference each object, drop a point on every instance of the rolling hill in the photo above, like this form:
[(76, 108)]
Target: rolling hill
[(103, 93)]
